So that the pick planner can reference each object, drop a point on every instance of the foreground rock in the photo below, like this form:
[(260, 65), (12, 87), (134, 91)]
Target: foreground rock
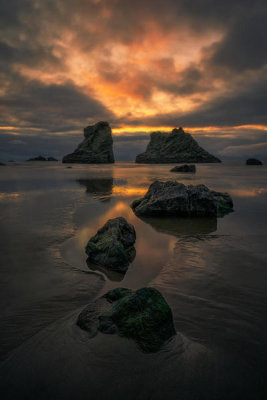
[(142, 315), (175, 147), (253, 161), (174, 198), (113, 245), (96, 148), (184, 168)]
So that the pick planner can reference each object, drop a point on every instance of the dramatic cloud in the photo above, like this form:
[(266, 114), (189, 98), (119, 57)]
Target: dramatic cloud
[(65, 64)]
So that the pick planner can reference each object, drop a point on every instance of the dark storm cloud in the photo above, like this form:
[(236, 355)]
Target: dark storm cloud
[(246, 105), (31, 30), (52, 107)]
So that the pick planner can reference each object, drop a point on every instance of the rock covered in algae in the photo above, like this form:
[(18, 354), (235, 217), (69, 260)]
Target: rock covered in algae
[(142, 315)]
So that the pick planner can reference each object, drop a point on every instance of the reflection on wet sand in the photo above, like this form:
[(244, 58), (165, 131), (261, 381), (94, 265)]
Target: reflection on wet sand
[(129, 191), (100, 188), (179, 226), (111, 275)]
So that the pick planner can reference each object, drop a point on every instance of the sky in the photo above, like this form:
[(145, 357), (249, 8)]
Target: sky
[(142, 65)]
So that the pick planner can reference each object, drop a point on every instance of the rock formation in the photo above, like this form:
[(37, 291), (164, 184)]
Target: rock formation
[(184, 168), (39, 158), (2, 164), (175, 147), (96, 147), (51, 159), (113, 245), (142, 315), (173, 198), (253, 161)]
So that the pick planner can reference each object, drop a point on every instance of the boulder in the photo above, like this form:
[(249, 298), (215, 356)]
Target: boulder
[(184, 168), (174, 147), (96, 147), (113, 245), (174, 198), (142, 315), (253, 161)]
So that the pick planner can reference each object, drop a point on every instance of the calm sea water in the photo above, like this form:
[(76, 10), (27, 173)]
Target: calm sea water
[(213, 273)]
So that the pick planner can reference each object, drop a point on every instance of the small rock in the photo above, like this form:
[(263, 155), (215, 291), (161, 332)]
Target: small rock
[(113, 245), (142, 315), (184, 168), (174, 198), (253, 161)]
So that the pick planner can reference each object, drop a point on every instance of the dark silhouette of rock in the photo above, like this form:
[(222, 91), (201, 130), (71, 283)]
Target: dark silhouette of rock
[(182, 226), (253, 161), (174, 147), (184, 168), (96, 147), (51, 159), (142, 315), (39, 158), (113, 245), (174, 198), (2, 164), (97, 186)]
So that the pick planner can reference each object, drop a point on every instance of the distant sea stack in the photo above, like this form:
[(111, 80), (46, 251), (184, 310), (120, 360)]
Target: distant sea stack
[(96, 147), (174, 147)]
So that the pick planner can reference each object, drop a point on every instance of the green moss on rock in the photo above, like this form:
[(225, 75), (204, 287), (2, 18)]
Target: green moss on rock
[(142, 315)]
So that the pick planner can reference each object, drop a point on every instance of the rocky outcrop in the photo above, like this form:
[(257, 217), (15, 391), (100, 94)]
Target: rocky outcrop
[(51, 159), (184, 168), (96, 147), (173, 198), (253, 161), (39, 158), (113, 245), (175, 147), (142, 315)]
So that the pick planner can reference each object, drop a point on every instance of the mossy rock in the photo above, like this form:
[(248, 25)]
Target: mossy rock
[(113, 245), (142, 315)]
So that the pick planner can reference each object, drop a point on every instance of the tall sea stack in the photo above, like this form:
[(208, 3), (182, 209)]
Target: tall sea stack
[(174, 147), (96, 147)]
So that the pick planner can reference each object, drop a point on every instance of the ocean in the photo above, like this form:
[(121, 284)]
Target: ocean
[(212, 272)]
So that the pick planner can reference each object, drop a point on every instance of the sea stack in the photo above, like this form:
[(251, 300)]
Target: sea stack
[(96, 147), (177, 146)]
